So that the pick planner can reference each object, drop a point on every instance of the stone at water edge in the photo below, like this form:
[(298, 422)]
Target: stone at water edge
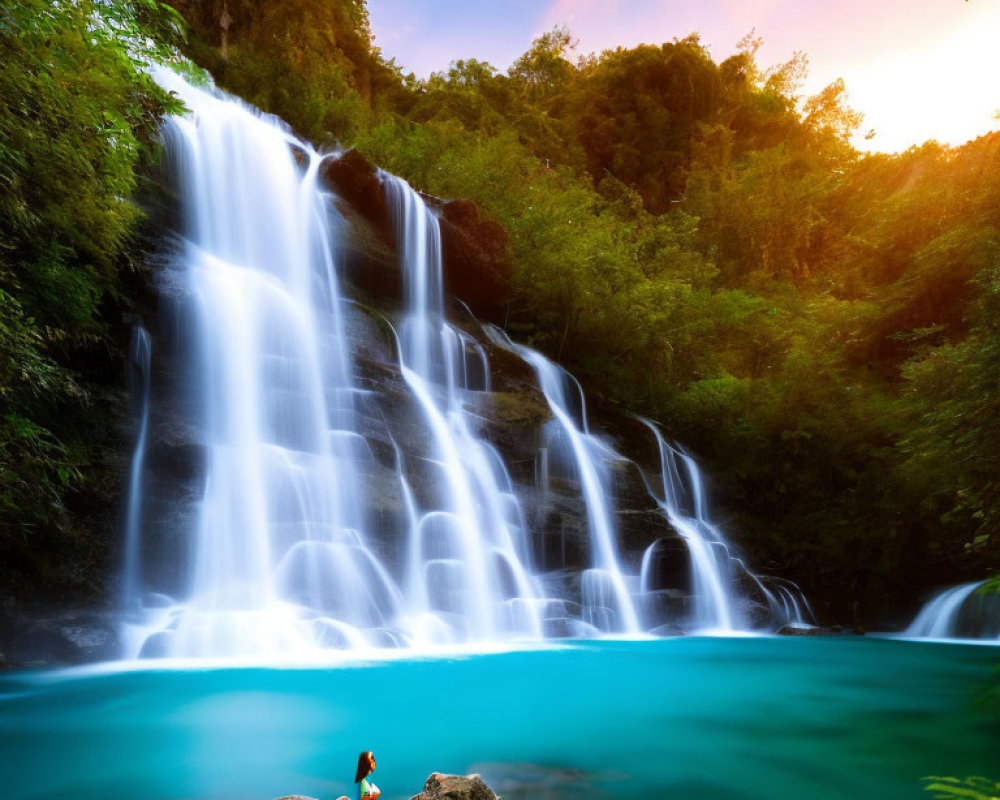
[(438, 787), (455, 787)]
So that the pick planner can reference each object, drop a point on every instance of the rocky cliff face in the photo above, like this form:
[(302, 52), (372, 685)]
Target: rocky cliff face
[(476, 259)]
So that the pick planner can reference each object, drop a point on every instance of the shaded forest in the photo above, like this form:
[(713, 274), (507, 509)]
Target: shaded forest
[(695, 240)]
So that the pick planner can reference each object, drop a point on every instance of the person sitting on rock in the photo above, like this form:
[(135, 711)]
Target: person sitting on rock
[(366, 766)]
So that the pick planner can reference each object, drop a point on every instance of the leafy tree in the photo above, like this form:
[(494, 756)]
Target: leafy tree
[(79, 119), (311, 62), (952, 446)]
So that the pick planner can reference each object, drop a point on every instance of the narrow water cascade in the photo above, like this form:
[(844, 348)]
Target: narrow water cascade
[(346, 480), (607, 602), (722, 581), (683, 502), (960, 612), (140, 356)]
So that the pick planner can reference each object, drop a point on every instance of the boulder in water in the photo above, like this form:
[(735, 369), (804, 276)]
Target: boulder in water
[(306, 797), (438, 787), (455, 787)]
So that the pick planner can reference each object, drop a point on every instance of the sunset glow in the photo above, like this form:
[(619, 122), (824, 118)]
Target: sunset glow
[(918, 70), (945, 91)]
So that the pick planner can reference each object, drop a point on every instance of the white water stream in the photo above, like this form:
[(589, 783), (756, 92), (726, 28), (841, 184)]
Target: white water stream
[(958, 613), (281, 556)]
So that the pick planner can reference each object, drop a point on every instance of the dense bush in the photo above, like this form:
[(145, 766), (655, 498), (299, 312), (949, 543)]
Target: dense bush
[(78, 121)]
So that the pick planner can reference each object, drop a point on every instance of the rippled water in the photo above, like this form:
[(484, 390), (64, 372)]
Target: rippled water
[(693, 718)]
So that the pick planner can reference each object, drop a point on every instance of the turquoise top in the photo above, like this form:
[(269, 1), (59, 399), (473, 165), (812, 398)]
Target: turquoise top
[(365, 788)]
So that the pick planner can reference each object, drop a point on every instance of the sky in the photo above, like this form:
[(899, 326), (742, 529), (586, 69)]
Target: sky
[(916, 69)]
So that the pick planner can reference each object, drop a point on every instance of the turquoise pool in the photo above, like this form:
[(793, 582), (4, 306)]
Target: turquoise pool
[(694, 718)]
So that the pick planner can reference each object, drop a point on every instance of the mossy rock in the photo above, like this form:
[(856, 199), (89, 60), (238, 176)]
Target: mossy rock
[(518, 410)]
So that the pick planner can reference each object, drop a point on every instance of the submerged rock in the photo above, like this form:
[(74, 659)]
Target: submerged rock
[(802, 630), (455, 787)]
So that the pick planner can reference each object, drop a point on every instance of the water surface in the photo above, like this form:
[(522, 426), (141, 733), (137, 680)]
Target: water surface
[(695, 718)]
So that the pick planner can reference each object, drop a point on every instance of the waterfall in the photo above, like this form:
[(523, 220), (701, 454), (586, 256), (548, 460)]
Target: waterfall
[(280, 556), (466, 558), (140, 355), (715, 608), (715, 569), (324, 515), (958, 613), (607, 603)]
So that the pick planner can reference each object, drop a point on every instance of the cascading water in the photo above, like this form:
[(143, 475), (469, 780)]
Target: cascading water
[(286, 552), (715, 570), (466, 561), (607, 602), (960, 612), (280, 558), (714, 605), (140, 355)]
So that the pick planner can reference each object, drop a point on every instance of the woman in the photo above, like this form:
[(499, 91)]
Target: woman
[(366, 766)]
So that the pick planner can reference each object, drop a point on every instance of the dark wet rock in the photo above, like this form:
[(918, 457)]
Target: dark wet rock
[(476, 256), (44, 646), (357, 181), (71, 638), (846, 630), (175, 451), (299, 155), (665, 604), (638, 528), (370, 260), (802, 630), (475, 249), (518, 409), (669, 565), (455, 787), (562, 541)]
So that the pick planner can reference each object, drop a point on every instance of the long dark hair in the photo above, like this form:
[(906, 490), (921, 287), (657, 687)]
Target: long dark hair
[(364, 766)]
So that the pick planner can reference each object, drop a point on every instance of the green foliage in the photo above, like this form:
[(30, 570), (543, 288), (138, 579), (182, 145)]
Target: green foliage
[(954, 439), (79, 119), (636, 111), (311, 62), (969, 788)]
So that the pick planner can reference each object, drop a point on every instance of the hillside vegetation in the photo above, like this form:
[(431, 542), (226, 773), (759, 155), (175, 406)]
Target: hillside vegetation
[(693, 239), (78, 124)]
